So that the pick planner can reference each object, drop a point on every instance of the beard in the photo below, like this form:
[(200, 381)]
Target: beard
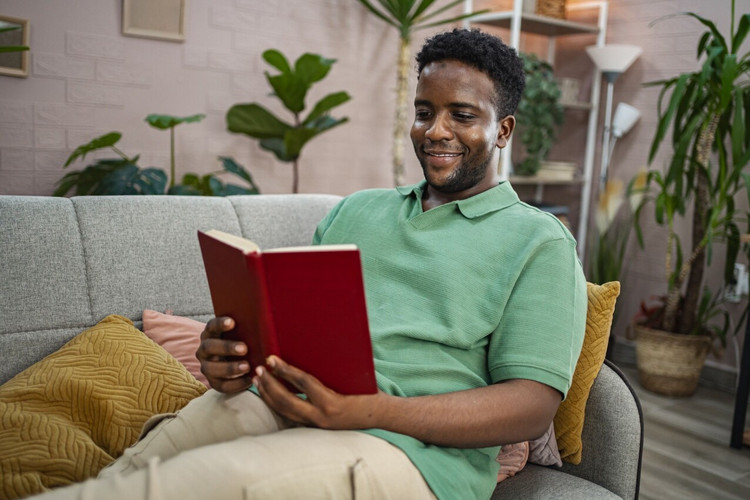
[(467, 174)]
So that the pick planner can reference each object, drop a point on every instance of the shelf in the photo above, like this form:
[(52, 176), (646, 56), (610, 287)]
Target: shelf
[(532, 23), (521, 180)]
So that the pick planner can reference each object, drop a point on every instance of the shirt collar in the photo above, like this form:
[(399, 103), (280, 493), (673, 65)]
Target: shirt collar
[(492, 200)]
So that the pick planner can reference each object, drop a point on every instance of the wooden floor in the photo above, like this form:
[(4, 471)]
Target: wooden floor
[(686, 448)]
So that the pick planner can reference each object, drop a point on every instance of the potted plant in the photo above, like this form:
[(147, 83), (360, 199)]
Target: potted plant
[(539, 114), (123, 176), (708, 113), (290, 86)]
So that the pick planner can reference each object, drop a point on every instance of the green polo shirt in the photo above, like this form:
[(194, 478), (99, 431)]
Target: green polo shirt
[(467, 294)]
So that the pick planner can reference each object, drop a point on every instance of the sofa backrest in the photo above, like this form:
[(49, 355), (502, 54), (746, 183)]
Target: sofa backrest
[(67, 263)]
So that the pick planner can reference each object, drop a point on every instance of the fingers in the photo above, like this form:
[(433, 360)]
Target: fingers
[(216, 327), (303, 381), (220, 358), (278, 398)]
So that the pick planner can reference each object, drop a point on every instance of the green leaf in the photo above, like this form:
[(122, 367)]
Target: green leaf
[(277, 60), (255, 121), (164, 122), (277, 146), (311, 68), (739, 36), (13, 48), (379, 14), (235, 168), (151, 181), (728, 75), (290, 89), (666, 119), (103, 141), (326, 104), (738, 130), (296, 138)]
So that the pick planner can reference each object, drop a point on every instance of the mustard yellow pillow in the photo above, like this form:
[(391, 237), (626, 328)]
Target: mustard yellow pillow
[(67, 416), (569, 418)]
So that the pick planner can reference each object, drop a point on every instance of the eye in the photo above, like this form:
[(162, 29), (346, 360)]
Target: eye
[(463, 117), (422, 114)]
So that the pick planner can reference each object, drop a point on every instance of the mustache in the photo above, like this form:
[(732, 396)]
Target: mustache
[(441, 147)]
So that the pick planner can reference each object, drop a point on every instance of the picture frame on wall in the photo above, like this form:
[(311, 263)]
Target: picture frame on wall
[(14, 62), (155, 19)]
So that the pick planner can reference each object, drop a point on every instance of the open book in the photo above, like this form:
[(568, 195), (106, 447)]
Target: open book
[(304, 304)]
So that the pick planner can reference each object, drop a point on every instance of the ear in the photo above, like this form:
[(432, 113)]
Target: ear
[(504, 130)]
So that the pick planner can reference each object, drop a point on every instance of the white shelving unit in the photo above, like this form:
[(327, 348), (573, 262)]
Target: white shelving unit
[(518, 21)]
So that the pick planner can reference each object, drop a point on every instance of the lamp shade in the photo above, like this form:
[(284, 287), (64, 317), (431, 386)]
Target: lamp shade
[(613, 58), (625, 117)]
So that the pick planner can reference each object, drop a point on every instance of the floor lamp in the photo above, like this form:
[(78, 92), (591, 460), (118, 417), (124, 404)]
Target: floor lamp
[(612, 61)]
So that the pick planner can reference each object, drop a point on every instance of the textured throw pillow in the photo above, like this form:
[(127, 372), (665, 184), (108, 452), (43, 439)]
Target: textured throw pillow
[(569, 418), (544, 451), (512, 458), (67, 416), (179, 336)]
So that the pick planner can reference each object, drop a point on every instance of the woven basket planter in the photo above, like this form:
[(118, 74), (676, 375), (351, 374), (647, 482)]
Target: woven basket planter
[(551, 8), (669, 364)]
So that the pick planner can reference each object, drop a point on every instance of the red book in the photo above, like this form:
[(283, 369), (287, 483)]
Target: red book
[(303, 304)]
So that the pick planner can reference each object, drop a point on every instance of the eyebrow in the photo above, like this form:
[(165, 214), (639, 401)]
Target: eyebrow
[(458, 104)]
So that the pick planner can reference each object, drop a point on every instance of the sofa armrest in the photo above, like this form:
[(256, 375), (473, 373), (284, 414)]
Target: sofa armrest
[(612, 435)]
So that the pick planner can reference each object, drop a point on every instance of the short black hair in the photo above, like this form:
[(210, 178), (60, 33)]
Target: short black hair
[(485, 52)]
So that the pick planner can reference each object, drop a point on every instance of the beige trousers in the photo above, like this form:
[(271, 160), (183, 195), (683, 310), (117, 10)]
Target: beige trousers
[(233, 447)]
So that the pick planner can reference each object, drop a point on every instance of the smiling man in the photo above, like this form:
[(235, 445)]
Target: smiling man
[(477, 308)]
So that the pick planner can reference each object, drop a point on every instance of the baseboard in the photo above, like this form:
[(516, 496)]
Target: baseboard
[(714, 376)]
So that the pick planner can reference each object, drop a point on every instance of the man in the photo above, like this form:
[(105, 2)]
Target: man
[(477, 307)]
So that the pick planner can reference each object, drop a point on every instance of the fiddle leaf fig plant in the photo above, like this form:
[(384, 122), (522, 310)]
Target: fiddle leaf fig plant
[(286, 140)]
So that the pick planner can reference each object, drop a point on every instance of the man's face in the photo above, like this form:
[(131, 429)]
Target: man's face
[(456, 127)]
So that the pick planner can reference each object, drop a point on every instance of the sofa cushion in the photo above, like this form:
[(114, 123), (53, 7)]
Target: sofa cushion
[(67, 416), (535, 482), (570, 416), (179, 336)]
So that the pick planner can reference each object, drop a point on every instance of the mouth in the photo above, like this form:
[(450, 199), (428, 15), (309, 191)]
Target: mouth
[(442, 154)]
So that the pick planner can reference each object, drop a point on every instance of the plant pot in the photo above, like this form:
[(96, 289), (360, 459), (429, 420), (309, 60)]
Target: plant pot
[(668, 363)]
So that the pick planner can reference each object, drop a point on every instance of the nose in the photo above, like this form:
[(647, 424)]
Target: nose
[(440, 128)]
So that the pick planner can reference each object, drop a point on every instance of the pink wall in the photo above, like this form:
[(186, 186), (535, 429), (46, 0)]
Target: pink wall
[(87, 79)]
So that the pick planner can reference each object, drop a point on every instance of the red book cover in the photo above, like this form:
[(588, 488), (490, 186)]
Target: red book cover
[(304, 304)]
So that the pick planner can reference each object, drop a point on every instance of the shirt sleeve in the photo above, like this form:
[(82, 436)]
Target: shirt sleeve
[(324, 224), (541, 331)]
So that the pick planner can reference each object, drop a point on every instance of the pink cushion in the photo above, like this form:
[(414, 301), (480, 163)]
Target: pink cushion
[(179, 336), (544, 451), (541, 451), (512, 458)]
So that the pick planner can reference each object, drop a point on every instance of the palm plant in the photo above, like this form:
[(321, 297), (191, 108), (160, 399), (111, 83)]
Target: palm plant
[(708, 111), (408, 16)]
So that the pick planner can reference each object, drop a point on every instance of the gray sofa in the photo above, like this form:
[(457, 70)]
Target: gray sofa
[(67, 263)]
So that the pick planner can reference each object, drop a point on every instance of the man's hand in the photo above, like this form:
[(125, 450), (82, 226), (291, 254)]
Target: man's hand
[(324, 408), (219, 358), (509, 412)]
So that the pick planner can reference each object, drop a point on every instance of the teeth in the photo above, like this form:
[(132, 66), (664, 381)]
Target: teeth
[(444, 154)]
